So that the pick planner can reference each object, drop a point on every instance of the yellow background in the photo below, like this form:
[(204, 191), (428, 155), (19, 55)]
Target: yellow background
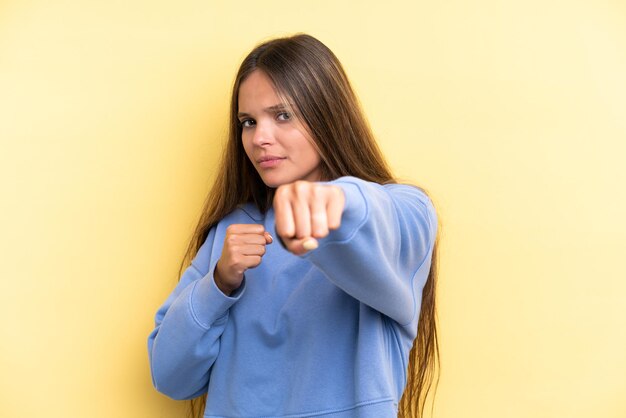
[(511, 113)]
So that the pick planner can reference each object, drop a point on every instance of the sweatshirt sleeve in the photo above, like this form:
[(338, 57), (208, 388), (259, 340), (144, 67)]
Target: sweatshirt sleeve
[(185, 341), (381, 253)]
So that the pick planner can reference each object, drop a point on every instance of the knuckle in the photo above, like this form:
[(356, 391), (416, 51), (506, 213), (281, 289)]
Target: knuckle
[(281, 192), (317, 192), (301, 187)]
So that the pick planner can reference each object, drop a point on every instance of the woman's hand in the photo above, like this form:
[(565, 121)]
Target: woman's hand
[(305, 211), (244, 245)]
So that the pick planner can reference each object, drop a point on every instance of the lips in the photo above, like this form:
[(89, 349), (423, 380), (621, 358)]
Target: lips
[(269, 158), (268, 161)]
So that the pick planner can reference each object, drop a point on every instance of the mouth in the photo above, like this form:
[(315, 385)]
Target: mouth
[(269, 161)]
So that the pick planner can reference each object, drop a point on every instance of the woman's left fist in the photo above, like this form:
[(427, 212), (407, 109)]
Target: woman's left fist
[(304, 211)]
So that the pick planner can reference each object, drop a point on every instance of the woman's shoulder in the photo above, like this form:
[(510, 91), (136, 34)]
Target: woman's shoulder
[(249, 210), (243, 213), (411, 190)]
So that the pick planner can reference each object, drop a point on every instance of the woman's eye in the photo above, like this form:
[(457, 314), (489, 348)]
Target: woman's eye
[(246, 123), (284, 116)]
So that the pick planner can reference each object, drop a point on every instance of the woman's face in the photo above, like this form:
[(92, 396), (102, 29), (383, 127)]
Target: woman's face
[(277, 144)]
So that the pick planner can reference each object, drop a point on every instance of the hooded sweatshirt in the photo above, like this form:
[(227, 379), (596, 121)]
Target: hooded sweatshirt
[(326, 334)]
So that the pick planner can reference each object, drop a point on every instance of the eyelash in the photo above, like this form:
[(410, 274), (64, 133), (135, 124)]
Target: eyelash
[(286, 114), (243, 122)]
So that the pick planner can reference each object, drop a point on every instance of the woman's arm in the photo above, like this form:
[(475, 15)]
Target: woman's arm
[(186, 339), (380, 253)]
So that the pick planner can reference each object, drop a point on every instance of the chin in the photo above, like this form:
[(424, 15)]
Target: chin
[(274, 181)]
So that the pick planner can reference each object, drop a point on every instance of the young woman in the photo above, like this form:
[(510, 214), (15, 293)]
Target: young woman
[(311, 287)]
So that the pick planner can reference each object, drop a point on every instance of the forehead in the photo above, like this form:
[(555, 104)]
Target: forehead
[(257, 89)]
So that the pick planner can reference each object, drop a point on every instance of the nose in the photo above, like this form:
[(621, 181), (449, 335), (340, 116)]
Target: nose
[(263, 134)]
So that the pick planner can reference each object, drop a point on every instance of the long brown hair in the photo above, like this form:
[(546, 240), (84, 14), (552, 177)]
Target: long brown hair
[(311, 81)]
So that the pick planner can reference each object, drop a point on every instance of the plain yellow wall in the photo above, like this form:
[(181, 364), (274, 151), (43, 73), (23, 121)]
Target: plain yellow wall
[(511, 113)]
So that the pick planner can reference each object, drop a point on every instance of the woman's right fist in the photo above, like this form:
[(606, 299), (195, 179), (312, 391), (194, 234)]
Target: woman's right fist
[(244, 245)]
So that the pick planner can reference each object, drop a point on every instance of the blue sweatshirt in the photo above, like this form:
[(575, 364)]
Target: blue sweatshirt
[(325, 334)]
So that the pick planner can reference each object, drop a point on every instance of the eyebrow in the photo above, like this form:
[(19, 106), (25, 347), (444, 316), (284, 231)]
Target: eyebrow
[(271, 109)]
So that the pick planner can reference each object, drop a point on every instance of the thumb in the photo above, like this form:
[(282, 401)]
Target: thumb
[(298, 246), (302, 246), (309, 244)]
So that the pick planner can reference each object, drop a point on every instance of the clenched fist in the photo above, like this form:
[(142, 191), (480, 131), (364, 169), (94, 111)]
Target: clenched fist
[(244, 245), (305, 211)]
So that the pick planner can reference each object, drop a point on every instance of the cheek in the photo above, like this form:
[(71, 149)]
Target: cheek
[(311, 154), (301, 146), (246, 144)]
